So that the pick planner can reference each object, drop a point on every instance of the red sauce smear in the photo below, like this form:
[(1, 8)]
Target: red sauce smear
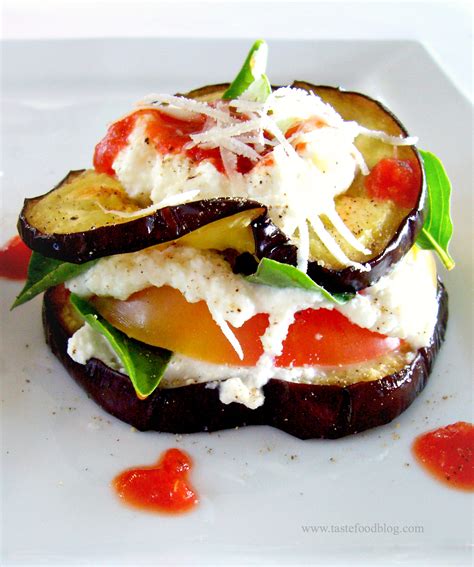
[(163, 487), (396, 180), (167, 134), (448, 454), (14, 259)]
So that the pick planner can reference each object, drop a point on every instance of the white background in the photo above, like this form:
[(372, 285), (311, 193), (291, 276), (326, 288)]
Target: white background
[(444, 27)]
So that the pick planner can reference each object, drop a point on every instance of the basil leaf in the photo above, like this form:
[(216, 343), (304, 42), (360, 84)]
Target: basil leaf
[(145, 364), (276, 274), (258, 91), (44, 273), (252, 71), (438, 227)]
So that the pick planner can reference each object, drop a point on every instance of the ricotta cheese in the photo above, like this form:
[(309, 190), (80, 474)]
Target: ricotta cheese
[(87, 343), (402, 304)]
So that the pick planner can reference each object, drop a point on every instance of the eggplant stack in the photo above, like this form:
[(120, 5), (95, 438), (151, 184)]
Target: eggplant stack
[(246, 254)]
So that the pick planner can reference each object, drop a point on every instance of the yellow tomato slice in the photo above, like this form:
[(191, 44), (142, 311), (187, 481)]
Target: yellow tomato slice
[(162, 317)]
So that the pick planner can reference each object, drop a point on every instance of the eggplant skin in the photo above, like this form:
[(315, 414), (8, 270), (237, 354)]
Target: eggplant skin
[(163, 225), (303, 410)]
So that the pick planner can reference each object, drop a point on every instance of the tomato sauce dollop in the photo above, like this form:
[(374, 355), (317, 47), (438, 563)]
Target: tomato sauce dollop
[(163, 487), (168, 134), (448, 454), (14, 259), (396, 180)]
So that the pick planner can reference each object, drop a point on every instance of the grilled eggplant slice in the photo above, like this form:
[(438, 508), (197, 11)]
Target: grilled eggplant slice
[(89, 215), (387, 229), (303, 410)]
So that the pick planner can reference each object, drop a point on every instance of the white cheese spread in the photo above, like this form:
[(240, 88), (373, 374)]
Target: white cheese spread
[(87, 343)]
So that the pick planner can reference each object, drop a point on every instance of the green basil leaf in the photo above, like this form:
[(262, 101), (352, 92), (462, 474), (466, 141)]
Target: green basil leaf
[(252, 71), (259, 90), (276, 274), (44, 273), (145, 364), (438, 227)]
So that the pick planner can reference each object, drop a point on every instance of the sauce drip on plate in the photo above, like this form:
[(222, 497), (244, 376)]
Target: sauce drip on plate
[(14, 259), (163, 487), (448, 454)]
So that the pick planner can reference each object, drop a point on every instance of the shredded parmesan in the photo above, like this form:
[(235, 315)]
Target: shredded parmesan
[(162, 101), (333, 246), (229, 161), (392, 140), (227, 332), (344, 231), (360, 161), (170, 201), (303, 248), (178, 198)]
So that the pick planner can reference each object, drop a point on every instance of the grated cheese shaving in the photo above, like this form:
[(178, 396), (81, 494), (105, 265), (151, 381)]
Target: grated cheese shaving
[(229, 161), (333, 246), (197, 107), (387, 138), (227, 332), (169, 201), (303, 248), (360, 161), (222, 132), (179, 198), (339, 225)]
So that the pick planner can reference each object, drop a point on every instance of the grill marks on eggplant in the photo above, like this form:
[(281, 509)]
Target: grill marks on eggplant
[(303, 410)]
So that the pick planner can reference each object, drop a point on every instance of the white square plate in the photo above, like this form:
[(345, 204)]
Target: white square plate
[(259, 486)]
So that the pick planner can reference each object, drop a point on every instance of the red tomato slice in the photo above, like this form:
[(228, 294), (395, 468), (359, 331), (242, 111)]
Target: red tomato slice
[(325, 337), (396, 180), (163, 317)]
